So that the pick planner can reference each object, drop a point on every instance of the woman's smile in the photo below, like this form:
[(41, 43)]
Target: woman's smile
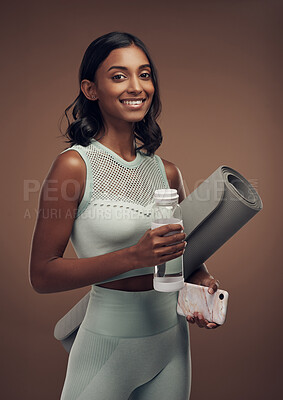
[(133, 104)]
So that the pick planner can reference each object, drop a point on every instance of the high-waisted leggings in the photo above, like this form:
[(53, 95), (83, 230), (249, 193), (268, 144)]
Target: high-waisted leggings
[(130, 346)]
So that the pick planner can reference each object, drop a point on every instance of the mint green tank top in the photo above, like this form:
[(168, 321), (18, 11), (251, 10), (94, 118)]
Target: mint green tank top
[(115, 210)]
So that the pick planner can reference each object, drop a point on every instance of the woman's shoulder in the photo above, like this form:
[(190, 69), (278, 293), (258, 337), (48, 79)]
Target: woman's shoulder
[(68, 165), (174, 177), (172, 171), (70, 158)]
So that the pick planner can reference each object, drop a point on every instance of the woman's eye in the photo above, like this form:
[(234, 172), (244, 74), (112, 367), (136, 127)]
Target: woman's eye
[(118, 77), (146, 75)]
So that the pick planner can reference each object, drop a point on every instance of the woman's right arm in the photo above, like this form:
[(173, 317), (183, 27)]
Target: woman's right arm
[(59, 199)]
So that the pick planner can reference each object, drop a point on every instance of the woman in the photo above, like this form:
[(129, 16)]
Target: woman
[(132, 344)]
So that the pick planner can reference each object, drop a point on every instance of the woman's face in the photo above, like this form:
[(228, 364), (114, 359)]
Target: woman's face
[(123, 85)]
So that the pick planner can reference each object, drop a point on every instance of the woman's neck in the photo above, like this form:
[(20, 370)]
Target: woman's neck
[(122, 143)]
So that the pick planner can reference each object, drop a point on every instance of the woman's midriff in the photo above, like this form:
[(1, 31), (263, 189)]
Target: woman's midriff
[(133, 284)]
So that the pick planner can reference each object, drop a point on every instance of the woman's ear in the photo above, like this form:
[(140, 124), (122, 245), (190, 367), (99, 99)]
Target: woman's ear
[(88, 89)]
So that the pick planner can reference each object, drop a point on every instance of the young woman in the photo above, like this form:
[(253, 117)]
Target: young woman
[(132, 343)]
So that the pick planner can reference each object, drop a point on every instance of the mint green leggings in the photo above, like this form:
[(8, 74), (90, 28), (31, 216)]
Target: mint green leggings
[(130, 346)]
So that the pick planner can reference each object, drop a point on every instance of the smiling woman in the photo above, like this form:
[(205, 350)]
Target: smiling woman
[(122, 86), (118, 352), (127, 74)]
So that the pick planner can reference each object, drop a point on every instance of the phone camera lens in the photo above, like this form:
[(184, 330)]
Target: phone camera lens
[(221, 296)]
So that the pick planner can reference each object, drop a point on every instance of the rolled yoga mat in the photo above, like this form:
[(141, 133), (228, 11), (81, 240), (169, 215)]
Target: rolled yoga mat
[(212, 214)]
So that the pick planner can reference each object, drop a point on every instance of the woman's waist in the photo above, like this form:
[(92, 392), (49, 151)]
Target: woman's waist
[(130, 314), (132, 284)]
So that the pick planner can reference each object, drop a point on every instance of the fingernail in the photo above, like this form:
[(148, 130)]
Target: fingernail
[(210, 290), (185, 243)]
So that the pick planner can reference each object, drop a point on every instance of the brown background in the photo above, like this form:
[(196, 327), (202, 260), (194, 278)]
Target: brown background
[(220, 73)]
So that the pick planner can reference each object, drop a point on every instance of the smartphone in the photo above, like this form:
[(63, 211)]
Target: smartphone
[(192, 298)]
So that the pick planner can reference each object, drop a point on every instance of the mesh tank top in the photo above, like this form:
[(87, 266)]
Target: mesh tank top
[(115, 210)]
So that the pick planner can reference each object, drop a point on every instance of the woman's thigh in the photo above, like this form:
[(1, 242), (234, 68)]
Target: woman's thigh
[(89, 353), (103, 367), (173, 381)]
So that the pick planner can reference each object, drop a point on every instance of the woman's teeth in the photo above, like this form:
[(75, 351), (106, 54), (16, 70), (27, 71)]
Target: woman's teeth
[(135, 102)]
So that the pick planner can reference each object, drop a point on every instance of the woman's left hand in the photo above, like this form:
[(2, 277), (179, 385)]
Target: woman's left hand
[(203, 277)]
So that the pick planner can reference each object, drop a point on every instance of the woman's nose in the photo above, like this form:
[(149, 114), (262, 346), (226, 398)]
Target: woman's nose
[(134, 85)]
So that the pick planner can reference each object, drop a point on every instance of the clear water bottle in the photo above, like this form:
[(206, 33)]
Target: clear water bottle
[(169, 276)]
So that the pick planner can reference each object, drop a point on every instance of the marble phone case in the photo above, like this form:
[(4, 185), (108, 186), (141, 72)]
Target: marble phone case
[(196, 298)]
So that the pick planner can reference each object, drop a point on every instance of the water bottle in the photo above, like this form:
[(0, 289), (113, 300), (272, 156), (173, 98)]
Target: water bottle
[(169, 276)]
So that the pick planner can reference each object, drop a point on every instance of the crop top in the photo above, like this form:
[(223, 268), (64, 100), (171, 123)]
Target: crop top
[(115, 210)]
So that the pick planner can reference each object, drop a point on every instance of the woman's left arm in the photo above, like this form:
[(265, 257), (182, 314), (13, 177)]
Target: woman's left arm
[(201, 276)]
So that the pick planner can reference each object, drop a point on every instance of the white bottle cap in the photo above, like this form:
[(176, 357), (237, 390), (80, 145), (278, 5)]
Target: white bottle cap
[(165, 194)]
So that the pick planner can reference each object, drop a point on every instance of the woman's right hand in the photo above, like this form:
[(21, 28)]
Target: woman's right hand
[(154, 248)]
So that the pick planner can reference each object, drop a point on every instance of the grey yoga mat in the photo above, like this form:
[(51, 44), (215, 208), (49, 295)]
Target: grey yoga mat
[(212, 214)]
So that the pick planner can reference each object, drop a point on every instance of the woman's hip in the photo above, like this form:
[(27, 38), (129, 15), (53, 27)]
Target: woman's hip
[(130, 314)]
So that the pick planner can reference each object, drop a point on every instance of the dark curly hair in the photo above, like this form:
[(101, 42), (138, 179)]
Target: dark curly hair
[(87, 118)]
